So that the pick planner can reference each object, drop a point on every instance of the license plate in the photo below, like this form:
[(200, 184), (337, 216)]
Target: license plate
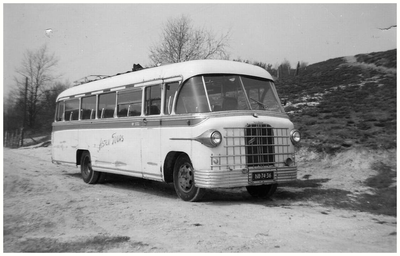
[(256, 176)]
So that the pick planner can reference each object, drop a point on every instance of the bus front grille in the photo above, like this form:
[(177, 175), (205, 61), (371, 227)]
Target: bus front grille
[(253, 146), (259, 141)]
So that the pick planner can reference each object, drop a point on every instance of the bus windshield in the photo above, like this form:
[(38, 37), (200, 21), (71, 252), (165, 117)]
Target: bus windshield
[(212, 93)]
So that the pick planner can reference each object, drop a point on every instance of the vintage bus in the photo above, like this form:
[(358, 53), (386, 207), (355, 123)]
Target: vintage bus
[(199, 124)]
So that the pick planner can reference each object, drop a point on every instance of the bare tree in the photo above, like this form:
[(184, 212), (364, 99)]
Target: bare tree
[(182, 42), (36, 72), (47, 104)]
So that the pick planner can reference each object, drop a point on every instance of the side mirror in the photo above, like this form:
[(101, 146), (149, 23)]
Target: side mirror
[(283, 101)]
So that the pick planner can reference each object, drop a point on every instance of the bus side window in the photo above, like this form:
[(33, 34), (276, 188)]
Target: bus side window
[(129, 103), (170, 91), (60, 111), (153, 100), (71, 109), (106, 105), (88, 106)]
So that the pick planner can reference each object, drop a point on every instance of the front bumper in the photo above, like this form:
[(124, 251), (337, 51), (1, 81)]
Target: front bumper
[(242, 177)]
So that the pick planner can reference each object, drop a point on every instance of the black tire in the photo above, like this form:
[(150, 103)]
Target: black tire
[(262, 191), (184, 180), (102, 178), (88, 175)]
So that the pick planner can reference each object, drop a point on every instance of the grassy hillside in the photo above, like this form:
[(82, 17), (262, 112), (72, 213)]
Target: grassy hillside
[(344, 102)]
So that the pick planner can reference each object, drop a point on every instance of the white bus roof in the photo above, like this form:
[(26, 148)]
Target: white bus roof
[(183, 69)]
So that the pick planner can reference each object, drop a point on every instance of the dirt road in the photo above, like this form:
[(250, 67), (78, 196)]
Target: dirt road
[(48, 208)]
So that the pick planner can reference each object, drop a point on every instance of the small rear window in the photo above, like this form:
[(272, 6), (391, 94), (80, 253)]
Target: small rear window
[(71, 109)]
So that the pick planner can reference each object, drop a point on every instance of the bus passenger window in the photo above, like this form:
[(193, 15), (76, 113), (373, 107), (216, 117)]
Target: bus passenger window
[(170, 90), (71, 109), (88, 107), (60, 108), (106, 105), (129, 103), (153, 100)]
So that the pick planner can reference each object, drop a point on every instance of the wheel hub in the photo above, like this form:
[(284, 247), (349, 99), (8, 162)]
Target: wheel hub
[(186, 177)]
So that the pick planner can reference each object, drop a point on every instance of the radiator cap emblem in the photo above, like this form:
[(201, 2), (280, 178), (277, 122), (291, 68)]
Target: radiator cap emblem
[(255, 115), (251, 141)]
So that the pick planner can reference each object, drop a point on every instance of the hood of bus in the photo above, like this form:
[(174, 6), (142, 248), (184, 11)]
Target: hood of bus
[(220, 120), (241, 118)]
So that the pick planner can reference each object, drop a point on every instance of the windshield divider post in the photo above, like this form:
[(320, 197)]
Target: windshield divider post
[(206, 93), (245, 93)]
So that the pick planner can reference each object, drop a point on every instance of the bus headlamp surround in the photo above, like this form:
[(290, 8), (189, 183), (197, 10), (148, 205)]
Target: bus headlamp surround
[(216, 138), (211, 138), (295, 136)]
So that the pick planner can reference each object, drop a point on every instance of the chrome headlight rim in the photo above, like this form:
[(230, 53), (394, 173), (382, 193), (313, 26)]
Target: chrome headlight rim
[(216, 138), (295, 136), (211, 138)]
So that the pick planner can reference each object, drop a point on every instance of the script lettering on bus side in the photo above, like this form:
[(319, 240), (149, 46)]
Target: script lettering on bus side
[(115, 138)]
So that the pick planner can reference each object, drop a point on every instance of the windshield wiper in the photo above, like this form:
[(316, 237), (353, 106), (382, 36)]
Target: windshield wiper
[(259, 103)]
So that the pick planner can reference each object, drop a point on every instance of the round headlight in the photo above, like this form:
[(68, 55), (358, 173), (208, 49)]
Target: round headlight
[(210, 138), (216, 138), (295, 136)]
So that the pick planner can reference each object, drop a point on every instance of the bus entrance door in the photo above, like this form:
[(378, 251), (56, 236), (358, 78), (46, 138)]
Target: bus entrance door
[(151, 151), (151, 148)]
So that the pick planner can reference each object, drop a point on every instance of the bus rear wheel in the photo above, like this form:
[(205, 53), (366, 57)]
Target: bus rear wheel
[(184, 180), (262, 191), (88, 174)]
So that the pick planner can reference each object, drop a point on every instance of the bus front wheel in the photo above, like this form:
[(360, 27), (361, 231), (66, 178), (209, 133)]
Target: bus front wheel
[(184, 180), (263, 191), (88, 174)]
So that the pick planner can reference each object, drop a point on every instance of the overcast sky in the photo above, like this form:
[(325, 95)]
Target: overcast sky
[(105, 39)]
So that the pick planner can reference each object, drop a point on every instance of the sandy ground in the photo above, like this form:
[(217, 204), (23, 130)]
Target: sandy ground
[(48, 208)]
